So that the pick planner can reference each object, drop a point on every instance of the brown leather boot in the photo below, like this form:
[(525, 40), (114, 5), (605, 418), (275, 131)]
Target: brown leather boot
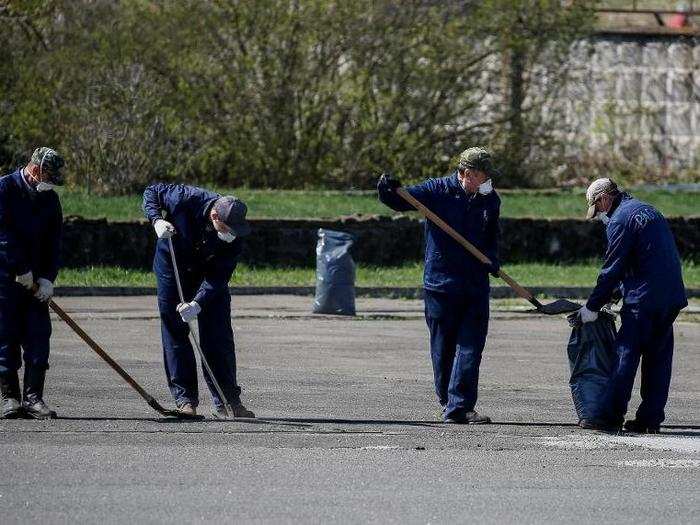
[(187, 410), (238, 411)]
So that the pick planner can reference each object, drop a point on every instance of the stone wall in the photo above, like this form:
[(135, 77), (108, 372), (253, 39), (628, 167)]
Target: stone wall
[(380, 241), (637, 97)]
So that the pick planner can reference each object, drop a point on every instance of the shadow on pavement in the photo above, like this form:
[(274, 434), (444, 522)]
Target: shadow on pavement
[(664, 432), (533, 424), (150, 419), (307, 422), (334, 421), (176, 421)]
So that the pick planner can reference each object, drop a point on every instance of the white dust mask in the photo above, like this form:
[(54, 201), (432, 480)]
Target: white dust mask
[(44, 186), (486, 187), (226, 237)]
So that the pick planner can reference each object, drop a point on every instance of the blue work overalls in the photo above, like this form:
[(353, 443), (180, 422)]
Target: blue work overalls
[(643, 260), (206, 264), (456, 284), (31, 225)]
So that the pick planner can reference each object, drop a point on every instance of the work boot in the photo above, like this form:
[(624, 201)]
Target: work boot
[(187, 410), (468, 418), (640, 427), (598, 424), (33, 402), (238, 411), (9, 391)]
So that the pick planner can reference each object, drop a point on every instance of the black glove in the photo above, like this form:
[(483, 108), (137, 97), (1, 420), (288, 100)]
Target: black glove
[(388, 183), (494, 268)]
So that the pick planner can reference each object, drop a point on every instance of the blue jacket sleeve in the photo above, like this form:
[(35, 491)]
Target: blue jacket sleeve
[(422, 192), (216, 278), (16, 257), (161, 197), (620, 242), (51, 258)]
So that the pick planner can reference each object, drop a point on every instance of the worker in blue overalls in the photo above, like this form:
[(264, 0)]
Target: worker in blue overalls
[(642, 261), (31, 225), (456, 284), (206, 231)]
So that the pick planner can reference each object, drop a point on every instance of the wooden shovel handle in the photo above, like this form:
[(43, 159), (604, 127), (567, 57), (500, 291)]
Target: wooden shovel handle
[(99, 351), (449, 230)]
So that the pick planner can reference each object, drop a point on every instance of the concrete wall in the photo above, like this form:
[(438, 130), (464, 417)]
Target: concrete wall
[(380, 240), (636, 96)]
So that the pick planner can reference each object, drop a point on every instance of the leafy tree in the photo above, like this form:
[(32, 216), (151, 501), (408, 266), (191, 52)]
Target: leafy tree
[(284, 93)]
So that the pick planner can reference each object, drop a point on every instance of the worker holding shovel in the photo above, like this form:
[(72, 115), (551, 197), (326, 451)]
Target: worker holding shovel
[(31, 224), (199, 235), (456, 283), (643, 261)]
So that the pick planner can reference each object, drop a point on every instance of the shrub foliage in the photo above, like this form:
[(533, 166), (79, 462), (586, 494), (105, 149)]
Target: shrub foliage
[(280, 93)]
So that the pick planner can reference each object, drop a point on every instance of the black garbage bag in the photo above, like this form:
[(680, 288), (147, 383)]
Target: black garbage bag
[(335, 274), (592, 358)]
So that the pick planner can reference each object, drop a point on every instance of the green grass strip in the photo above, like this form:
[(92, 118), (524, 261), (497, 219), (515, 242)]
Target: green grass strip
[(528, 274), (331, 204)]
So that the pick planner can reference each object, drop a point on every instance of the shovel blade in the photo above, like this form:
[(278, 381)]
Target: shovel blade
[(558, 307)]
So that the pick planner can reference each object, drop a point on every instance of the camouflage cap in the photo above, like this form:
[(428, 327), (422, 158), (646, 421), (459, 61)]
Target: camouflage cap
[(51, 162), (477, 159)]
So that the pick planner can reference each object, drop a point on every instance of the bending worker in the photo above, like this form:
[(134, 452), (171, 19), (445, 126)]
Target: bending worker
[(456, 283), (205, 229), (641, 260), (31, 224)]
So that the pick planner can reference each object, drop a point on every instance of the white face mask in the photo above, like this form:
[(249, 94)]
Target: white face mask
[(44, 186), (486, 187), (603, 217), (226, 237)]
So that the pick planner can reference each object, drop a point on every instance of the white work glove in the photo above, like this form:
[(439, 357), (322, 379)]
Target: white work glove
[(189, 311), (587, 316), (45, 291), (26, 280), (164, 229)]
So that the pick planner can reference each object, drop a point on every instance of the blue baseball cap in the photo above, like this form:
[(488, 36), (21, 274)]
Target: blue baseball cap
[(232, 212)]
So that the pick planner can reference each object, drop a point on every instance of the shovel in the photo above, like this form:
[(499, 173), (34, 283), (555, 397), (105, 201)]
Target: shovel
[(118, 369), (560, 306)]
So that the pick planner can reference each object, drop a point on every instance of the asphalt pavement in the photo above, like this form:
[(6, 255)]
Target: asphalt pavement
[(348, 429)]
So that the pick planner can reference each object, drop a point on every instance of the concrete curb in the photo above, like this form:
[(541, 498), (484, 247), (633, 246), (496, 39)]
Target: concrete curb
[(401, 292)]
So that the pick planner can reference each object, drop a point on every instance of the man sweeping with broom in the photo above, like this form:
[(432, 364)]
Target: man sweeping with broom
[(31, 223), (198, 235), (456, 283)]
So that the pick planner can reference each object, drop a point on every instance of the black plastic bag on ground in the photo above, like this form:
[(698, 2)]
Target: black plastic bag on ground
[(335, 274), (591, 352)]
